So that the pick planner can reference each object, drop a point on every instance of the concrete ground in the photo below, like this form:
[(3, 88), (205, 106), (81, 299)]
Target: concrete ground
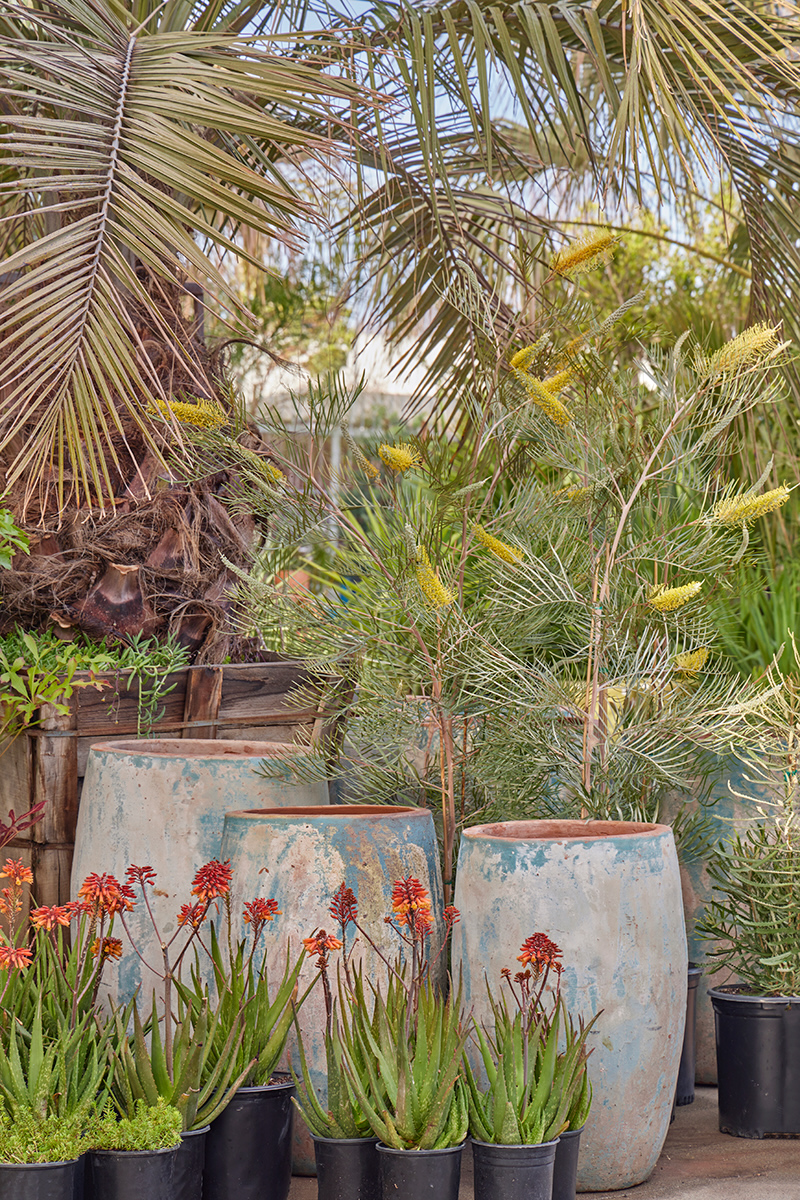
[(697, 1163)]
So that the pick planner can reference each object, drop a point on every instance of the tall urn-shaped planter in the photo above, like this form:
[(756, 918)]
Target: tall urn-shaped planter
[(609, 893), (162, 803), (301, 857)]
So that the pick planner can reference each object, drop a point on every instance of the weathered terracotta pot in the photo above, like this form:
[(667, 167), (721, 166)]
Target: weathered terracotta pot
[(301, 857), (162, 804), (608, 892)]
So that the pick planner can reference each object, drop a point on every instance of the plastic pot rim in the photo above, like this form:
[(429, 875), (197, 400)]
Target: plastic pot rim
[(383, 1149), (59, 1162), (315, 1137), (139, 1153), (521, 1145), (730, 991)]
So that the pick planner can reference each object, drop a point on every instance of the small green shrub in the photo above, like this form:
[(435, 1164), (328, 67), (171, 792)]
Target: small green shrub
[(29, 1138), (152, 1127)]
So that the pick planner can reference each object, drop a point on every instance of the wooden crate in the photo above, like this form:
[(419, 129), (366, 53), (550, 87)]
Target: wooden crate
[(256, 702)]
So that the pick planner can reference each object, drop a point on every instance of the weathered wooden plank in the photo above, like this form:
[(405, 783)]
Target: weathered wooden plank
[(251, 690), (55, 779), (203, 695), (117, 712)]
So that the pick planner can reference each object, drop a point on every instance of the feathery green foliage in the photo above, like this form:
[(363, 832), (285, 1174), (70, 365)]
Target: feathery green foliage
[(150, 1127), (28, 1138)]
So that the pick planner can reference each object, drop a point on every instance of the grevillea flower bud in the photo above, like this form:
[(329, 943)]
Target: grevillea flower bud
[(585, 253), (501, 550), (664, 599)]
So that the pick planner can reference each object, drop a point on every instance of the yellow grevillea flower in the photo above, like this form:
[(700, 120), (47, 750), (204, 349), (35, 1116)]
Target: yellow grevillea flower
[(585, 253), (262, 465), (692, 661), (664, 599), (749, 508), (401, 457), (573, 493), (430, 585), (205, 414), (369, 469), (753, 344), (545, 399), (502, 550)]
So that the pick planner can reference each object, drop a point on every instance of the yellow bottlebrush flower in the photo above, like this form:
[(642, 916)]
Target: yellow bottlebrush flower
[(369, 469), (544, 399), (401, 457), (430, 585), (749, 508), (753, 344), (520, 361), (556, 383), (585, 253), (262, 465), (502, 550), (692, 661), (205, 414), (573, 493), (664, 599)]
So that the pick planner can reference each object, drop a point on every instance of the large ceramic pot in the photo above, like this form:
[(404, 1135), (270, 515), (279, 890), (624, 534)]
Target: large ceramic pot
[(162, 804), (609, 894), (301, 856)]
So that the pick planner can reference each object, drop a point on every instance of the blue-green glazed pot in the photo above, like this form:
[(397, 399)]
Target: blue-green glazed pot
[(301, 857), (609, 894), (161, 803)]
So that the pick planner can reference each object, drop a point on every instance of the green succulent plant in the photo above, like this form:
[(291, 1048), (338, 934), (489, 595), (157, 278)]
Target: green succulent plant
[(150, 1127)]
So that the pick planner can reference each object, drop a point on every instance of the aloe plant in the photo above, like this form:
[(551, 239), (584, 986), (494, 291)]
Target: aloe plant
[(245, 1004), (407, 1073), (534, 1092), (64, 1076), (196, 1085)]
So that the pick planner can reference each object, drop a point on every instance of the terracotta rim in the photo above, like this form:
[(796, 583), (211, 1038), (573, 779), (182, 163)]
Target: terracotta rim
[(330, 810), (562, 831), (202, 748)]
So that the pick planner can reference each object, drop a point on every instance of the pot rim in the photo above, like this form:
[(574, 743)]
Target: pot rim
[(139, 1153), (200, 748), (519, 1145), (563, 831), (371, 1140), (254, 1088), (59, 1162), (726, 991), (382, 1149), (335, 811), (193, 1132)]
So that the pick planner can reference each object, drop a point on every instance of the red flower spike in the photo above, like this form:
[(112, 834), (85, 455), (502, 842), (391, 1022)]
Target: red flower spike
[(15, 958), (15, 870), (539, 951), (192, 914), (111, 948), (256, 912), (212, 881), (106, 894), (451, 916), (343, 907), (321, 942), (50, 918), (140, 875)]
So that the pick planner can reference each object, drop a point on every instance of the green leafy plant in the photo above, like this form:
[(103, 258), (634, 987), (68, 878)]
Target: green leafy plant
[(13, 540), (245, 1006), (150, 1127), (752, 922), (407, 1072), (534, 1060), (30, 1138), (65, 1075)]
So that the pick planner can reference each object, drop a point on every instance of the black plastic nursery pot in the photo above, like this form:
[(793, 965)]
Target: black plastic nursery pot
[(249, 1146), (420, 1174), (565, 1167), (130, 1174), (684, 1093), (347, 1168), (42, 1181), (758, 1063), (513, 1172), (187, 1177)]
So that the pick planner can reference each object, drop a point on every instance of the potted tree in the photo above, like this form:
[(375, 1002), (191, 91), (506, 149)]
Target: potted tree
[(751, 928), (537, 1084)]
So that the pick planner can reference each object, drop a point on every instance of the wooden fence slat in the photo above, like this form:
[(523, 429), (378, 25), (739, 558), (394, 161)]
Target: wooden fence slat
[(203, 696), (55, 780)]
